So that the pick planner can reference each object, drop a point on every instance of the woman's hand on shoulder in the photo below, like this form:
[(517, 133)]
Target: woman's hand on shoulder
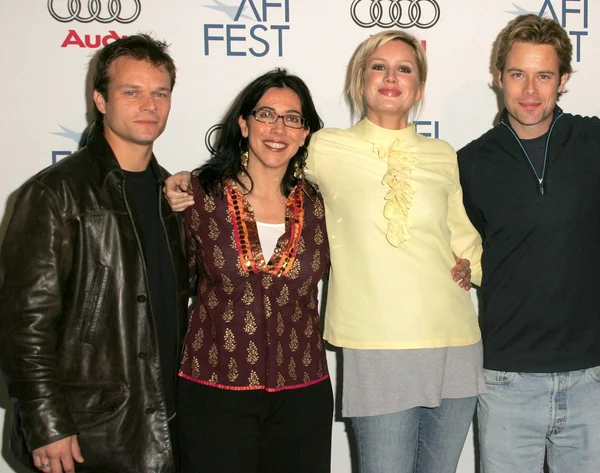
[(461, 273), (178, 189)]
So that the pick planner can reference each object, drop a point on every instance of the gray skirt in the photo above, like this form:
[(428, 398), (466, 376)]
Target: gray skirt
[(377, 382)]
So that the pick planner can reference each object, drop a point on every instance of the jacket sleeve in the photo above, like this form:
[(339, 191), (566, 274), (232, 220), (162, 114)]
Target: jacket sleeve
[(35, 263), (465, 239)]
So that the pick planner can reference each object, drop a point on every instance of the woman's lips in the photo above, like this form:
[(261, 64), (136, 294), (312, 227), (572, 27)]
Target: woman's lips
[(389, 92)]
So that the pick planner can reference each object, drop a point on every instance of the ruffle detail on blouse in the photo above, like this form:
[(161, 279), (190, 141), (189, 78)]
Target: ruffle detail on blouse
[(402, 158)]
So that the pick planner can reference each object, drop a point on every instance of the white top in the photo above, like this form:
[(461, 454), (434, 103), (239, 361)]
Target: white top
[(268, 234)]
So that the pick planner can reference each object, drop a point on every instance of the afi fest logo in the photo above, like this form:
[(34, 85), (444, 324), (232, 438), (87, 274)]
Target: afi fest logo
[(57, 155), (395, 13), (93, 11), (253, 27), (573, 15)]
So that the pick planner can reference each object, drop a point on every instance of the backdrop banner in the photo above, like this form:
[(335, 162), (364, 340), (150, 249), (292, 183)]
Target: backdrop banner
[(221, 45)]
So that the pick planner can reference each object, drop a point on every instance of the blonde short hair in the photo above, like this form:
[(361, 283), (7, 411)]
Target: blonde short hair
[(356, 68)]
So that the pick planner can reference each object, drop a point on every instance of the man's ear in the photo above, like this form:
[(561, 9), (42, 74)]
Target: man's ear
[(563, 81), (100, 102)]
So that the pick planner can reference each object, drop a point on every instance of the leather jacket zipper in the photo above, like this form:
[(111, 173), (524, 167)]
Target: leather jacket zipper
[(539, 179)]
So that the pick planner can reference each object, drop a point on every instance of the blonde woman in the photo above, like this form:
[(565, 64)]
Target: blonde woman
[(412, 349)]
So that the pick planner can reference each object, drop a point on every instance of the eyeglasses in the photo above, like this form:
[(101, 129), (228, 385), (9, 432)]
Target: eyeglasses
[(264, 115)]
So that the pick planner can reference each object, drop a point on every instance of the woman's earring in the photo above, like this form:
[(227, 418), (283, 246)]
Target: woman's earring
[(244, 159), (300, 167)]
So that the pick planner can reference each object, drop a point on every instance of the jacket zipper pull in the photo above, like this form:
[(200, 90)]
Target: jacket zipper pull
[(541, 185)]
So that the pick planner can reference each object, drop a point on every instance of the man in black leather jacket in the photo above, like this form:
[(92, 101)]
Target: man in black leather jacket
[(94, 287)]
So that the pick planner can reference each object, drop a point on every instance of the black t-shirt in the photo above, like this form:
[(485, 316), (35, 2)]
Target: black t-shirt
[(143, 195), (536, 149)]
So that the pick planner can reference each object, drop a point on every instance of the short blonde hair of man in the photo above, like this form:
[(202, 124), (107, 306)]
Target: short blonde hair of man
[(356, 68)]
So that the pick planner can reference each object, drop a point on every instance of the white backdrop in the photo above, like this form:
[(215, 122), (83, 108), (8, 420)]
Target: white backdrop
[(220, 45)]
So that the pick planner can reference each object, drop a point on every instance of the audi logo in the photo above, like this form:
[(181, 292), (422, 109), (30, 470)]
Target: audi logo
[(103, 11), (400, 13), (210, 139)]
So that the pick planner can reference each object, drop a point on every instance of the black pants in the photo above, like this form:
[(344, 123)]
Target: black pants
[(224, 431)]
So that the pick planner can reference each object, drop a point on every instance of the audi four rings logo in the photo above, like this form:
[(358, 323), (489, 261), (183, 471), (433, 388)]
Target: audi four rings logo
[(102, 11), (400, 13), (211, 137)]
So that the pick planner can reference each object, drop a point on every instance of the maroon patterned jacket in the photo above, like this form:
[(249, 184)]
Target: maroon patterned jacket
[(255, 323)]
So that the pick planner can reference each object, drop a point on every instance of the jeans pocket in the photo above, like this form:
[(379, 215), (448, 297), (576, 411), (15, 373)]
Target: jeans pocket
[(498, 378), (595, 373)]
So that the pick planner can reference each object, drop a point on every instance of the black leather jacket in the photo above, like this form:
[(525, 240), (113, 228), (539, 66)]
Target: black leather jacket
[(79, 346)]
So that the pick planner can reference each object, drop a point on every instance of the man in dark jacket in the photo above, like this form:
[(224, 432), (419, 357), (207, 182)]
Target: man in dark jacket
[(94, 288), (532, 188)]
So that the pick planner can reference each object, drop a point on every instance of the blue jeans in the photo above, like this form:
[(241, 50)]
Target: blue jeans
[(526, 417), (417, 440)]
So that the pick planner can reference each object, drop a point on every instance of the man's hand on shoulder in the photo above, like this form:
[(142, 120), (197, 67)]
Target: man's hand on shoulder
[(178, 190), (57, 457)]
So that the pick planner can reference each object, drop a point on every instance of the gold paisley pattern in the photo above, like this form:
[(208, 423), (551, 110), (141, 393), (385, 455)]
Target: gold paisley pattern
[(267, 281), (303, 290), (248, 296), (294, 344), (213, 229), (230, 343), (228, 314), (253, 379), (194, 220), (308, 331), (250, 327), (254, 324), (319, 239), (209, 203), (307, 359), (218, 257), (267, 306), (233, 372), (297, 315), (280, 381), (198, 340), (292, 369), (319, 210), (227, 284), (301, 246), (294, 271), (213, 301), (280, 326), (279, 357), (316, 263), (284, 296), (252, 353), (195, 368), (202, 314), (213, 356), (184, 358)]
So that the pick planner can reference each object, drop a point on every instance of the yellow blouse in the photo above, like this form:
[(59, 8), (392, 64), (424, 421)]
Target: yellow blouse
[(395, 215)]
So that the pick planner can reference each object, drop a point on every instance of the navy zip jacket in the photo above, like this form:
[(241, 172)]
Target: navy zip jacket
[(540, 295)]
